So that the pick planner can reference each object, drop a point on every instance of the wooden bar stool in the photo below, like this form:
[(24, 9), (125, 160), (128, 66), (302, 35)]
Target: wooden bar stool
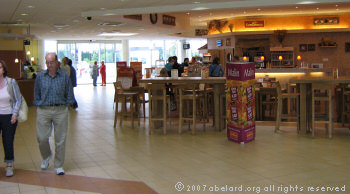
[(345, 108), (280, 115), (326, 96), (124, 98), (142, 97), (222, 111), (157, 96), (188, 93)]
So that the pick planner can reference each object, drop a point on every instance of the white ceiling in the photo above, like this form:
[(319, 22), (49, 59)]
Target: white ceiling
[(66, 19)]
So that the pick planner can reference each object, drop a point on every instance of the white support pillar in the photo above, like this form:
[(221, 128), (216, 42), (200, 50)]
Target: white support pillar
[(125, 51)]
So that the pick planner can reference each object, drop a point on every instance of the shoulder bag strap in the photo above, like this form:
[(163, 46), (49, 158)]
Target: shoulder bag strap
[(9, 83)]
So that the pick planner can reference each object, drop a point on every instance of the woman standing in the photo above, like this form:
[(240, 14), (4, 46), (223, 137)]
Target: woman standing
[(9, 108), (215, 69), (103, 73)]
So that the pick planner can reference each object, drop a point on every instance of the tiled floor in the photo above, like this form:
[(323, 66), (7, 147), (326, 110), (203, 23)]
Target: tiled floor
[(101, 159)]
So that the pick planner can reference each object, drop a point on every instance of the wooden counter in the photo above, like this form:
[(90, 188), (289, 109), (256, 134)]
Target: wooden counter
[(27, 89), (217, 82), (284, 74), (304, 83)]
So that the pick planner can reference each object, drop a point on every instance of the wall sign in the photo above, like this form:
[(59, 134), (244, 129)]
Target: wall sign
[(169, 20), (326, 21), (254, 24), (134, 17)]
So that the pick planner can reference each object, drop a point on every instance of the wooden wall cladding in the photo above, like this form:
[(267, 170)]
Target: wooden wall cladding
[(14, 69)]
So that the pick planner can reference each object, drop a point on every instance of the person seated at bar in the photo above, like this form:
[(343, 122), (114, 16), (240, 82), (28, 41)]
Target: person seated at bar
[(193, 60), (169, 65), (215, 69), (177, 66), (185, 63)]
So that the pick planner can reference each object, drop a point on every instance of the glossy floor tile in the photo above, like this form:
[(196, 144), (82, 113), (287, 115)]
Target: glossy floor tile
[(103, 159)]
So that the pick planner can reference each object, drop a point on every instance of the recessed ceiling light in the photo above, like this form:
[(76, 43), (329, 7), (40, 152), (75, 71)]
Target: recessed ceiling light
[(336, 5), (24, 14), (30, 7), (337, 9), (188, 13), (111, 24), (60, 25), (244, 12), (318, 8), (116, 34), (297, 7), (196, 2), (258, 9)]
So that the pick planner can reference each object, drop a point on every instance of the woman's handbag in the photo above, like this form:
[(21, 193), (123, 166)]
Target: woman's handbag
[(23, 111)]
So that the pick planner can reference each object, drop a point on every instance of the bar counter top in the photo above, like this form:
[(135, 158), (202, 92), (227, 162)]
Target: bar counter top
[(293, 70)]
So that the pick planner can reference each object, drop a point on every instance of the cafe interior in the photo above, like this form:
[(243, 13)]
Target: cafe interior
[(155, 134)]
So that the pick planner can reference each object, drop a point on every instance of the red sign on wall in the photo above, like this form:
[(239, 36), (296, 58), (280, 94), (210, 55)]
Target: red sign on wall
[(255, 24)]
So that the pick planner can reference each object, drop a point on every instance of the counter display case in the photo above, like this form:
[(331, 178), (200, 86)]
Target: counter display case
[(282, 57)]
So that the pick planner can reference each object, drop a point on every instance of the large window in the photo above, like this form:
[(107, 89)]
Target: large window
[(149, 52), (83, 56)]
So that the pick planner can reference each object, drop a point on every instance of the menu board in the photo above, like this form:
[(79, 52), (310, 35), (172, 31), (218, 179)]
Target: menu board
[(240, 102)]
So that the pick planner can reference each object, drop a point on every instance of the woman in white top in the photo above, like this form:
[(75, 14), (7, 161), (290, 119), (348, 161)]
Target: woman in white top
[(9, 108)]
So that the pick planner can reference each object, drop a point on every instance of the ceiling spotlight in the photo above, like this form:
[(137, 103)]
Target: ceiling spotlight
[(24, 14), (297, 7), (188, 13), (258, 9)]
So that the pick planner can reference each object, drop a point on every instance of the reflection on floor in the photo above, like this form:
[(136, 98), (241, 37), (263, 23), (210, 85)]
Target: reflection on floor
[(98, 156)]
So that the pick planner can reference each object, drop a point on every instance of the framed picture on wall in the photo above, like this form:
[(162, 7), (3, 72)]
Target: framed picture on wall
[(302, 47), (347, 47), (228, 41), (311, 47)]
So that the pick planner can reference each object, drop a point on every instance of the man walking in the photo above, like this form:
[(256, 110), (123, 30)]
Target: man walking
[(53, 95)]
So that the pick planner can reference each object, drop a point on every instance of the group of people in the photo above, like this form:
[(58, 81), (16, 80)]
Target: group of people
[(96, 70), (53, 97), (215, 69)]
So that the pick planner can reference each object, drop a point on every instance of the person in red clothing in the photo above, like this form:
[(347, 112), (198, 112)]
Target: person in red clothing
[(103, 73)]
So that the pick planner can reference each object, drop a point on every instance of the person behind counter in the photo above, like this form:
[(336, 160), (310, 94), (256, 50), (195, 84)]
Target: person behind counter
[(215, 69), (235, 58), (9, 109)]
